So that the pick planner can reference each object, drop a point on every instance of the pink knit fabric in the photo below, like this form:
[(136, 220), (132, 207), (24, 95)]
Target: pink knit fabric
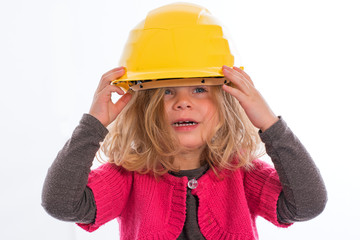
[(151, 209)]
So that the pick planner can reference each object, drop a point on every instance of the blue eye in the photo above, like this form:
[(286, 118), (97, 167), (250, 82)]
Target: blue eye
[(199, 90), (167, 91)]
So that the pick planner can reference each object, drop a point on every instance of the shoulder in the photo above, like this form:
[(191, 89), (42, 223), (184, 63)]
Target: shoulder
[(255, 168), (260, 165), (110, 169), (109, 176), (260, 172)]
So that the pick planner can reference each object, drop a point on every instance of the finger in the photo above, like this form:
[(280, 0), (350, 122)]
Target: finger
[(234, 92), (237, 79), (106, 75), (109, 76), (244, 74), (106, 92), (121, 103)]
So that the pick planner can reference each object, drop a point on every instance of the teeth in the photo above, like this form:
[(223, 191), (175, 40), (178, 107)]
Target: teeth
[(182, 124)]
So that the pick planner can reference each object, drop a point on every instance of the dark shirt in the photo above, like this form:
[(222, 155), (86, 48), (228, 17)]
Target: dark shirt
[(191, 228)]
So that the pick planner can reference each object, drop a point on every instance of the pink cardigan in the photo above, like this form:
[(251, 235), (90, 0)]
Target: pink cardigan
[(149, 209)]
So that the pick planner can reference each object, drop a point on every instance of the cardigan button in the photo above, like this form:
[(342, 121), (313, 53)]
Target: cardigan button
[(192, 183)]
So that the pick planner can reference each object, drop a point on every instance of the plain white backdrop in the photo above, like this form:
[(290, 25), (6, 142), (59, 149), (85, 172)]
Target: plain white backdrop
[(303, 56)]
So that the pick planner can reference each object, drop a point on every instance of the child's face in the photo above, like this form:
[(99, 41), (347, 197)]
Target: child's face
[(192, 114)]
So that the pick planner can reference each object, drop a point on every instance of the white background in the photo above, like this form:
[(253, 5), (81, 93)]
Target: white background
[(302, 55)]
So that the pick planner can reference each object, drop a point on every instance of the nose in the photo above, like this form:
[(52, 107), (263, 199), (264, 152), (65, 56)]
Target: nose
[(182, 101)]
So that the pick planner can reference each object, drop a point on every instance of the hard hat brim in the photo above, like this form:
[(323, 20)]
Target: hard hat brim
[(183, 82)]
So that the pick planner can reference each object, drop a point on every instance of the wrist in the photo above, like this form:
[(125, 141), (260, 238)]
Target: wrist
[(269, 123), (99, 118)]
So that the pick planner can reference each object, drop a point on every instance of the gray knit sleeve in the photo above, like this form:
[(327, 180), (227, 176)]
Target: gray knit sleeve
[(304, 195), (65, 195)]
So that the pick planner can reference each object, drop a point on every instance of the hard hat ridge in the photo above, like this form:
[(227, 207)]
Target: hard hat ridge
[(175, 41)]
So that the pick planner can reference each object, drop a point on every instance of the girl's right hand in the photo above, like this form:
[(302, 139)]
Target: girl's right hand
[(102, 107)]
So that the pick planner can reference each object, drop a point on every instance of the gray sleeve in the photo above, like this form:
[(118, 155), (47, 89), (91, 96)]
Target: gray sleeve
[(65, 195), (304, 195)]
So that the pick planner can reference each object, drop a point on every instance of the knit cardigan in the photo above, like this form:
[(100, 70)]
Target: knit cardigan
[(147, 208)]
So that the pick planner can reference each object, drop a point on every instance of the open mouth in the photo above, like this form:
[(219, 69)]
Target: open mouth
[(184, 123)]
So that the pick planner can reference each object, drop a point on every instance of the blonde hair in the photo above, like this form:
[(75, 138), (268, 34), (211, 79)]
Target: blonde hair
[(140, 138)]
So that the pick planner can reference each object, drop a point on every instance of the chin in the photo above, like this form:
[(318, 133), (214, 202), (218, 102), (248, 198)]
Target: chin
[(192, 146)]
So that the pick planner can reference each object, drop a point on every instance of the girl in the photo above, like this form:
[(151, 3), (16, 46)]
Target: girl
[(183, 161)]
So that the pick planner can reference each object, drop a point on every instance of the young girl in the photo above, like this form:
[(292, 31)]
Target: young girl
[(182, 150)]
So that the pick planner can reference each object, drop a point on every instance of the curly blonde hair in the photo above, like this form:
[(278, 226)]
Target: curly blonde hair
[(140, 138)]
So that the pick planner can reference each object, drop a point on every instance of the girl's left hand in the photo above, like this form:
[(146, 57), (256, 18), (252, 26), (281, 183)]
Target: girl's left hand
[(255, 106)]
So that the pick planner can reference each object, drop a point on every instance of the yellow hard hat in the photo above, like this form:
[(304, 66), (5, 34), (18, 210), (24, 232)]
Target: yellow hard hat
[(181, 43)]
